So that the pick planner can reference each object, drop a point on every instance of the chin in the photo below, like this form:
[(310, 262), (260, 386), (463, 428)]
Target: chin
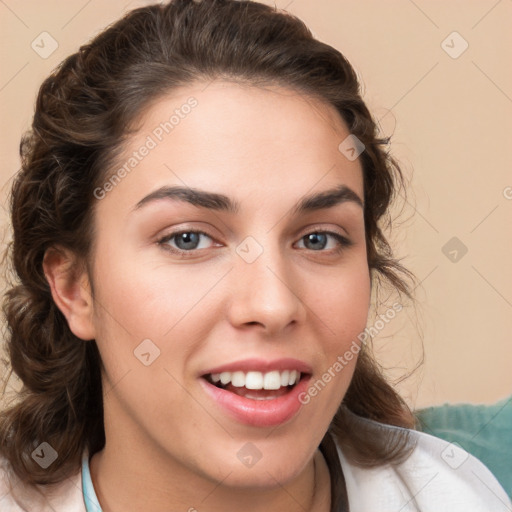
[(251, 468), (266, 477)]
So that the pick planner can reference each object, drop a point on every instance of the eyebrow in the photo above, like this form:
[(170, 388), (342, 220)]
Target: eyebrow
[(220, 202)]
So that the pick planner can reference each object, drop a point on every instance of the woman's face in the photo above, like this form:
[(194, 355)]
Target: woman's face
[(243, 274)]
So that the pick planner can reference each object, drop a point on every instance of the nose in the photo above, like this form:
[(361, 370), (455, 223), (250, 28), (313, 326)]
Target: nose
[(265, 292)]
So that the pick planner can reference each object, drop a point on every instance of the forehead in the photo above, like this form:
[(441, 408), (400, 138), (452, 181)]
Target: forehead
[(237, 139)]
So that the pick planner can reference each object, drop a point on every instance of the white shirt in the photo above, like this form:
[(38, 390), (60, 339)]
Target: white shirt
[(436, 477)]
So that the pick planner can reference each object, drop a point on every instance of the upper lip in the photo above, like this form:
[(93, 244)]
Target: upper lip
[(261, 365)]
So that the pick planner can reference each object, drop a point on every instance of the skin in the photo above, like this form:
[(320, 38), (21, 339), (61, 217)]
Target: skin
[(168, 445)]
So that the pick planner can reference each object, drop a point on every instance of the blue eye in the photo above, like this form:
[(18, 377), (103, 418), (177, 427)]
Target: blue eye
[(185, 241), (318, 240)]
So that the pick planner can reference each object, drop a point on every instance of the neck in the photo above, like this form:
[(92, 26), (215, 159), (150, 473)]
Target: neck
[(121, 484)]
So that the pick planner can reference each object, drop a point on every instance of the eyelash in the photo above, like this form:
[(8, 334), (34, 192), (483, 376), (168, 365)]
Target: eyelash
[(343, 242)]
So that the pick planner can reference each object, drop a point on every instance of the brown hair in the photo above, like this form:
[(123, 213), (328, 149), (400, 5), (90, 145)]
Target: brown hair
[(80, 123)]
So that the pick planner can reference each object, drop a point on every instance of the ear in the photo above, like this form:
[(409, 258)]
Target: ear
[(71, 291)]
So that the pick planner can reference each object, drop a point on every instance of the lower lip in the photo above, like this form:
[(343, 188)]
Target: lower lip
[(259, 413)]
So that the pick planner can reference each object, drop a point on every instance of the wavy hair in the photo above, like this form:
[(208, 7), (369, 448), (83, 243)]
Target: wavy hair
[(85, 110)]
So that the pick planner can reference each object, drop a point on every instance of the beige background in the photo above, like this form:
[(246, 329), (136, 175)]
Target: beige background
[(452, 120)]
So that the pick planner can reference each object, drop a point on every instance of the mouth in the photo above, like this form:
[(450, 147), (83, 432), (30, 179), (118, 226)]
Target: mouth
[(258, 393), (255, 385)]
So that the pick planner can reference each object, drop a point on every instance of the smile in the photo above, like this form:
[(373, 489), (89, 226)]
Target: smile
[(258, 397), (274, 380)]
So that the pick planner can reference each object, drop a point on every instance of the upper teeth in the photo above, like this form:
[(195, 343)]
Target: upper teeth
[(258, 380)]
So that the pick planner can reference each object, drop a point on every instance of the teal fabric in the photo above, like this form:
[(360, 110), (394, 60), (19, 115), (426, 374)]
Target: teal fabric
[(90, 498), (485, 431)]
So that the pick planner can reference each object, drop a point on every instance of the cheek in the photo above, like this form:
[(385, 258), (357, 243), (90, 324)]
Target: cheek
[(140, 299), (148, 297), (344, 302), (342, 313)]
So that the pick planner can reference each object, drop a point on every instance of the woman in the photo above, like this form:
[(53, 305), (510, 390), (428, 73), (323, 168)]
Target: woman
[(196, 236)]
